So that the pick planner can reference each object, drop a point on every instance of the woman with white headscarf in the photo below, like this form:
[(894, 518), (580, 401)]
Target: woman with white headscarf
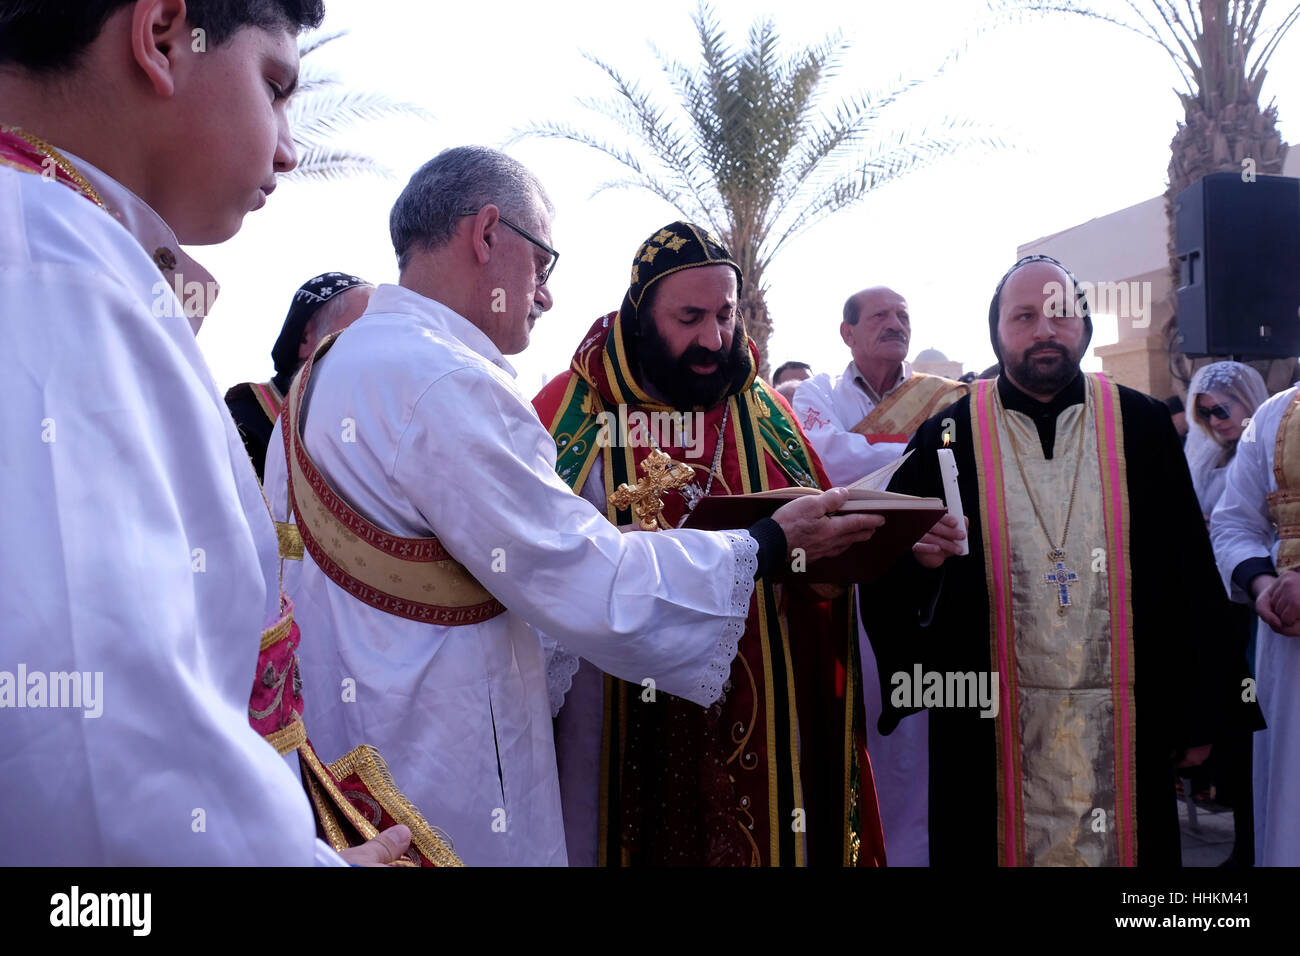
[(1220, 399)]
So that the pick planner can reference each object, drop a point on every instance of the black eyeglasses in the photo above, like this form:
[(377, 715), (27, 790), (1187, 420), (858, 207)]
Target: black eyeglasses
[(544, 273), (1218, 411)]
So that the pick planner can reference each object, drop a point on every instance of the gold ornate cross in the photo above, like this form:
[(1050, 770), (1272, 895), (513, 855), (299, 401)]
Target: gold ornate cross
[(661, 474)]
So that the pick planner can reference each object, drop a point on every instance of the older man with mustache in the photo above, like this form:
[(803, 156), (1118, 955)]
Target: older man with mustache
[(859, 421), (862, 419)]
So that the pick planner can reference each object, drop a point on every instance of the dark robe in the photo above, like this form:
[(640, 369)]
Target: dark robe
[(940, 620), (254, 423)]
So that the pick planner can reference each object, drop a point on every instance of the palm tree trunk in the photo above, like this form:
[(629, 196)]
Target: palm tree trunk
[(1218, 138), (758, 323)]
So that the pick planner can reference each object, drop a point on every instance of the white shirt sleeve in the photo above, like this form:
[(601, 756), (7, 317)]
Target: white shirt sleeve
[(1240, 526), (669, 606), (846, 455)]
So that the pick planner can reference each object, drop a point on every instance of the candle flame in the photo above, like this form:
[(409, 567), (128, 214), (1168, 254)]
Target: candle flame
[(945, 439)]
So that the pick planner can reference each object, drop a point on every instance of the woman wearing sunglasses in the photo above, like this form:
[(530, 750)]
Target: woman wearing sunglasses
[(1220, 398)]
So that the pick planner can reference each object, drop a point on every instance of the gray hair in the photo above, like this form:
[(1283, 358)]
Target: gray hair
[(457, 181)]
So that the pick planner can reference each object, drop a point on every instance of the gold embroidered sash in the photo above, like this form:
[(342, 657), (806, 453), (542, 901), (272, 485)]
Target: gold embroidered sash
[(1066, 724), (414, 578), (902, 411), (1284, 504)]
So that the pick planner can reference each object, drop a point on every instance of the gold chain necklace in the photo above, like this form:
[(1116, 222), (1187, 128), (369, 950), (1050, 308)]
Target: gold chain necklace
[(45, 149), (693, 499), (1058, 574)]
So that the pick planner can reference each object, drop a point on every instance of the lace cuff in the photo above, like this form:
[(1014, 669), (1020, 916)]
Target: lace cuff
[(560, 668), (716, 676)]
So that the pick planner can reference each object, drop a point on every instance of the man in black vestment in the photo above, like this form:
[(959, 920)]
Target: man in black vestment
[(1068, 660)]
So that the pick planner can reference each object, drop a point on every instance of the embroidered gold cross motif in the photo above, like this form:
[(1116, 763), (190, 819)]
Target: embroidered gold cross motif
[(663, 236), (661, 474)]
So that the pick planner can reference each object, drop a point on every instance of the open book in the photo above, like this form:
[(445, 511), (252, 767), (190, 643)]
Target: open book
[(865, 494), (907, 519)]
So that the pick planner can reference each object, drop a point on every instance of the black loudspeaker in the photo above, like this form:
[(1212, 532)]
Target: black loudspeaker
[(1239, 245)]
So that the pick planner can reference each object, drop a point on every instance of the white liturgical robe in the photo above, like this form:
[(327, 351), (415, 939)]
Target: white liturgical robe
[(828, 408), (1240, 529), (137, 556), (414, 418)]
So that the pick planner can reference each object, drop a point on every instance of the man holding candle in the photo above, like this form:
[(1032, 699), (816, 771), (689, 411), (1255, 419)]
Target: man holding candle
[(1089, 570)]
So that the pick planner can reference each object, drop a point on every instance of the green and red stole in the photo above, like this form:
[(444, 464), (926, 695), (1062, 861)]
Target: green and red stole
[(752, 780)]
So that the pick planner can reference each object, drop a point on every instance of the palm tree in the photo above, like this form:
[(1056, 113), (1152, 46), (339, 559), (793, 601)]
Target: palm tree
[(321, 109), (1221, 50), (750, 153)]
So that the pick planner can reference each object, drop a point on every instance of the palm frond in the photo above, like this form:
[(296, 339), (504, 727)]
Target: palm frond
[(322, 107), (313, 42), (314, 119), (745, 137), (1209, 57), (896, 156), (322, 164)]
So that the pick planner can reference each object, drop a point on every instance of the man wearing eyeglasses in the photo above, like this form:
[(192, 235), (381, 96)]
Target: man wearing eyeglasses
[(437, 534)]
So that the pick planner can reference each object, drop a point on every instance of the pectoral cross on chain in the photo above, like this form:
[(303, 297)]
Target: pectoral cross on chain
[(1061, 577), (661, 474)]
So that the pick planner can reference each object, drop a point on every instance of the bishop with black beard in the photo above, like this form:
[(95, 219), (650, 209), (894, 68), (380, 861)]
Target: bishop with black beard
[(774, 774), (673, 379)]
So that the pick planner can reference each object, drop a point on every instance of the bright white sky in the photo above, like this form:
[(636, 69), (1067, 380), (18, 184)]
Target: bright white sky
[(1086, 109)]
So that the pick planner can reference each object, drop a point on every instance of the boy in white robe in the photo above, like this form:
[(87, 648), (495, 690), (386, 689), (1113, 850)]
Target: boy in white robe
[(138, 556)]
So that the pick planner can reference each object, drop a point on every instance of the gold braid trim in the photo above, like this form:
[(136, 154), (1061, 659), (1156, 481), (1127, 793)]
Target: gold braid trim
[(288, 739), (325, 812), (276, 633), (366, 763), (289, 540), (60, 160)]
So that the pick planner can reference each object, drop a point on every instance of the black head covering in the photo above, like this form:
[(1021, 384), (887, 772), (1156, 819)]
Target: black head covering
[(310, 296), (1080, 300), (677, 246)]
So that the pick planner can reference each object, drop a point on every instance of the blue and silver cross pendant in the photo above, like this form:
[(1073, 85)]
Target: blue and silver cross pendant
[(1061, 578)]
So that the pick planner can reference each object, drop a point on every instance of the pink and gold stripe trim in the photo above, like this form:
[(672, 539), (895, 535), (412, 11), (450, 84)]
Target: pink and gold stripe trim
[(997, 564), (1115, 505)]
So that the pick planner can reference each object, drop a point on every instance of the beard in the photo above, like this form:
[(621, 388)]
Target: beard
[(681, 387), (1044, 381)]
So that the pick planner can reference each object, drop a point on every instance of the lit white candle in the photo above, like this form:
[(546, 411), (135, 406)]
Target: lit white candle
[(951, 496)]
